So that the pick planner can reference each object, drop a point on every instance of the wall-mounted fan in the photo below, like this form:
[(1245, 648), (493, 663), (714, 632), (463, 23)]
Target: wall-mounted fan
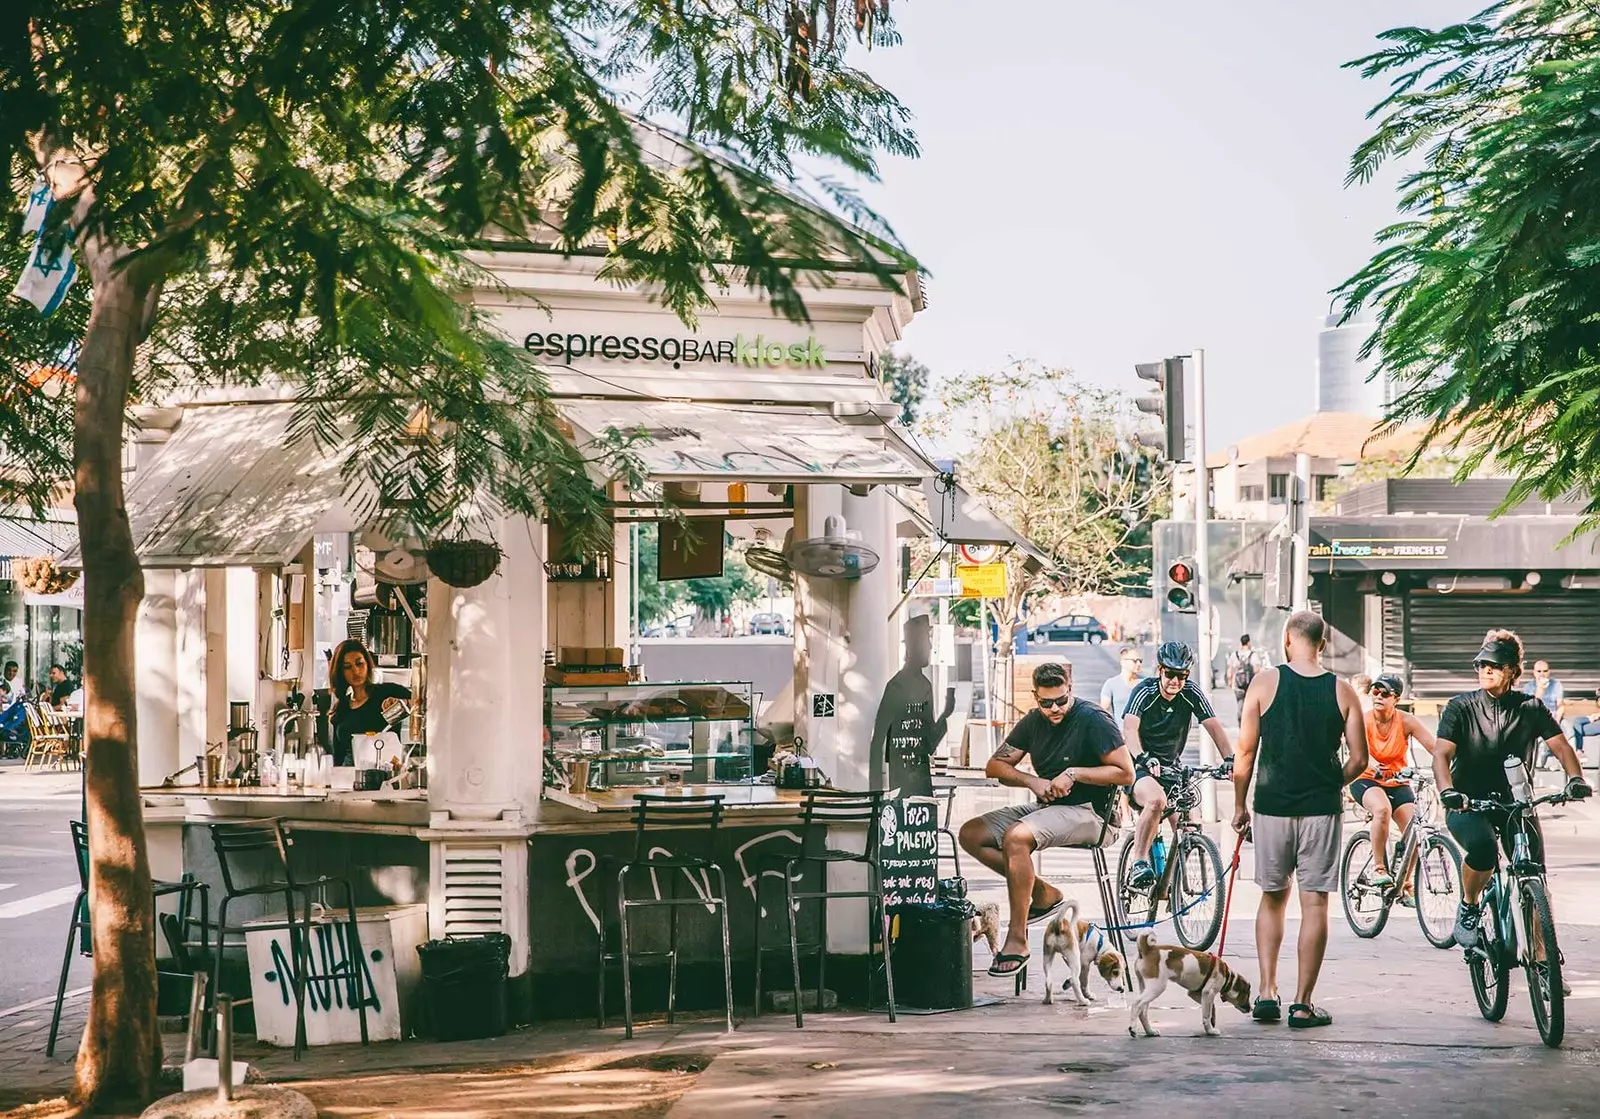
[(836, 554), (762, 558)]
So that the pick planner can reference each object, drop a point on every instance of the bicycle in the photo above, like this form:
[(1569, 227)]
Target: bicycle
[(1504, 935), (1194, 897), (1425, 854)]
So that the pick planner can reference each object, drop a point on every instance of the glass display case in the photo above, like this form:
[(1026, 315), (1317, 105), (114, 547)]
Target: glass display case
[(638, 735)]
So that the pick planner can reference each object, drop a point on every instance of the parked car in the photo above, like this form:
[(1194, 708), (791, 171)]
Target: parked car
[(1070, 627), (681, 626), (768, 623)]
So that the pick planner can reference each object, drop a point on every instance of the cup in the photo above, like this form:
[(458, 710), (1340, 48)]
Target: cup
[(672, 779), (213, 771), (578, 777)]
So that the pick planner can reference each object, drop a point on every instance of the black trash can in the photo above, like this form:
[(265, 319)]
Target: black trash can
[(464, 985), (933, 958)]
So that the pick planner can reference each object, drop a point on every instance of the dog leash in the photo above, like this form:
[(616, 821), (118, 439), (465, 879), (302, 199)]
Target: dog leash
[(1227, 901)]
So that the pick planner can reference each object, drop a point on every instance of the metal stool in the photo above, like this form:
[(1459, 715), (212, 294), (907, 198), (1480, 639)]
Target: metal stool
[(826, 808), (1109, 905), (79, 927), (703, 814), (947, 793), (270, 841)]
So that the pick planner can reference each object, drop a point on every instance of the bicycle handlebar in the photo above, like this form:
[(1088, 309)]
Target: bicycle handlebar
[(1494, 804)]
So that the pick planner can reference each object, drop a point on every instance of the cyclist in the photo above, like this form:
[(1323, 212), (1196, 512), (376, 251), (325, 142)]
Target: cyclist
[(1155, 728), (1379, 790), (1477, 732)]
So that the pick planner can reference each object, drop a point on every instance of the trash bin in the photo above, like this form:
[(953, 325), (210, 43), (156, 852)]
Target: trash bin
[(933, 958), (464, 985)]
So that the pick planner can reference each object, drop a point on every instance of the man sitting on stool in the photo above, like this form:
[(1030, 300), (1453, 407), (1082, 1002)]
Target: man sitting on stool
[(1079, 761)]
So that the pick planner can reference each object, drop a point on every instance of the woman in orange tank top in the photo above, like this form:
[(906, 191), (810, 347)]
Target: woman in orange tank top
[(1380, 789)]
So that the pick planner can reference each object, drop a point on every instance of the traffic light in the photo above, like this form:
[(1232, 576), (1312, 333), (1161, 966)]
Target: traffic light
[(1166, 404), (1183, 579)]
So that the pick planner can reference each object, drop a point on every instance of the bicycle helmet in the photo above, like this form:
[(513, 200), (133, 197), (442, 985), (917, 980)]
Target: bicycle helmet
[(1176, 656)]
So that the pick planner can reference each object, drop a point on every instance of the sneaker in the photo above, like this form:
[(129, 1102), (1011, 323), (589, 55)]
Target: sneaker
[(1142, 875), (1381, 878), (1469, 917)]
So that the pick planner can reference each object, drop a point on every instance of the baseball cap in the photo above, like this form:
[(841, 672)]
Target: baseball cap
[(1390, 681)]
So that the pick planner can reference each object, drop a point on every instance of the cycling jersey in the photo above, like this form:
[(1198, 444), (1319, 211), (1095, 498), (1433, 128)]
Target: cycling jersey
[(1488, 729), (1164, 723)]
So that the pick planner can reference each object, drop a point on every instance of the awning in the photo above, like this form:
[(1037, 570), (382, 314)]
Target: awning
[(229, 490), (22, 536), (958, 517), (688, 441)]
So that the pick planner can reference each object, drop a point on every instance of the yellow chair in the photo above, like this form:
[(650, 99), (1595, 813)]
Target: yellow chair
[(49, 745)]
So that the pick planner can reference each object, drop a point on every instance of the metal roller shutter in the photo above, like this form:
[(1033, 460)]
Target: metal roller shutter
[(1392, 653), (1443, 631)]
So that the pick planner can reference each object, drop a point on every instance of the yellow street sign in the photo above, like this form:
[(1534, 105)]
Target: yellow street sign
[(982, 580)]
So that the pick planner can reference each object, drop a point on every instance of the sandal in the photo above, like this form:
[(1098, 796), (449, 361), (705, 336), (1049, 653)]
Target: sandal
[(1267, 1010), (1311, 1019), (1037, 913), (998, 968)]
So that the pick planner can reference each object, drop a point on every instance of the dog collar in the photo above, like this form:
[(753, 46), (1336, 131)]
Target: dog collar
[(1099, 938)]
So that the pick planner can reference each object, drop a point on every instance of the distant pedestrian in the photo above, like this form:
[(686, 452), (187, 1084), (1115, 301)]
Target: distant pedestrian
[(1114, 692), (1243, 665), (1548, 691), (1289, 729)]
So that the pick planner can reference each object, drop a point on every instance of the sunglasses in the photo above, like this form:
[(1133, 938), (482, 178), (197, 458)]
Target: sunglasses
[(1481, 665), (1174, 674), (1384, 693), (1047, 704)]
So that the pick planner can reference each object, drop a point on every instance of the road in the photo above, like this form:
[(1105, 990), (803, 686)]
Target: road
[(37, 883)]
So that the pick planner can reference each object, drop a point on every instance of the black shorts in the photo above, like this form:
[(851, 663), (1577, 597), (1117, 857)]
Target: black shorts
[(1398, 794), (1476, 832), (1167, 780)]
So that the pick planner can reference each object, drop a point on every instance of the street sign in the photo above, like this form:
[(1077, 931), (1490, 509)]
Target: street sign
[(982, 580), (978, 553), (936, 588)]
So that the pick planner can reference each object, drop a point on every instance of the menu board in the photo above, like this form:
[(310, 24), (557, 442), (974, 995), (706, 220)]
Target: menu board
[(908, 846)]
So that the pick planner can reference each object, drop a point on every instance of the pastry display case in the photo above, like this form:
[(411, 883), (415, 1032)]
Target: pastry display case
[(641, 735)]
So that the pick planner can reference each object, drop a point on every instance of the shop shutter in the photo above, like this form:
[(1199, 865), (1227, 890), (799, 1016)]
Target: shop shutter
[(1392, 653), (1443, 631), (474, 889)]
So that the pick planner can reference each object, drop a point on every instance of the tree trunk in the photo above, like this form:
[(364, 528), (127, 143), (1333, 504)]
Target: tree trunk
[(119, 1062)]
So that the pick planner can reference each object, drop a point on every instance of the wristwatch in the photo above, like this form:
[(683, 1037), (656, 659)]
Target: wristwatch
[(1072, 774)]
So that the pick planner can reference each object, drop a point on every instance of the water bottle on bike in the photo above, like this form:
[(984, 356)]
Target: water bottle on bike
[(1158, 855), (1517, 778)]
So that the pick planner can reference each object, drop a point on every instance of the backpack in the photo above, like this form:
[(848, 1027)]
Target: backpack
[(1244, 669)]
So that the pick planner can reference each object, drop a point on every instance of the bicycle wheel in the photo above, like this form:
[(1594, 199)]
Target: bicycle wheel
[(1437, 889), (1197, 889), (1365, 906), (1544, 976), (1138, 905), (1487, 965)]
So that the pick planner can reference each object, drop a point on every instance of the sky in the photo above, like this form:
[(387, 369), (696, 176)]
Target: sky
[(1108, 183)]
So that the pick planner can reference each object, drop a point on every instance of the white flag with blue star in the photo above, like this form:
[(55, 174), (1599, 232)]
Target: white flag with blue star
[(50, 269)]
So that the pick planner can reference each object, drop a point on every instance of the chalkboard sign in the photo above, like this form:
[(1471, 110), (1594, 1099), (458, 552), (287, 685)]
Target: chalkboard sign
[(908, 844)]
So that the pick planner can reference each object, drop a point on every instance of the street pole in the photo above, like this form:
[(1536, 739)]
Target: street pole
[(983, 651), (1202, 562), (1301, 599)]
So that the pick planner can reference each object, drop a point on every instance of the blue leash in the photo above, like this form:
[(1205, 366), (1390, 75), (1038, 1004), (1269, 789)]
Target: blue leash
[(1152, 924)]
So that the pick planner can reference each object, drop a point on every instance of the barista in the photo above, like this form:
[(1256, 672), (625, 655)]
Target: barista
[(357, 698)]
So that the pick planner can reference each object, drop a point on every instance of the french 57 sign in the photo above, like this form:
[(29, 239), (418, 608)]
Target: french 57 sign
[(982, 580)]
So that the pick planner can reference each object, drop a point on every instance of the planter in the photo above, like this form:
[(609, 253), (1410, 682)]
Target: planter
[(463, 563), (40, 575)]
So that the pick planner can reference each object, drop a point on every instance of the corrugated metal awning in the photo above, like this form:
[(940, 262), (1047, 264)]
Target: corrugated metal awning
[(777, 443), (21, 537), (229, 490)]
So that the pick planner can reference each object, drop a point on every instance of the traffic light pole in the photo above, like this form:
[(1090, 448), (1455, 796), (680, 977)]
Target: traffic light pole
[(1202, 563)]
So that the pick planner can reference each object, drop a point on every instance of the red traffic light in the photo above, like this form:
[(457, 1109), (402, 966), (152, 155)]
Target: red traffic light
[(1181, 573)]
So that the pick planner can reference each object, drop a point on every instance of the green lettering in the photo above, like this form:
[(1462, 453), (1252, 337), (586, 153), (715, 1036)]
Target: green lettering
[(814, 354), (797, 355)]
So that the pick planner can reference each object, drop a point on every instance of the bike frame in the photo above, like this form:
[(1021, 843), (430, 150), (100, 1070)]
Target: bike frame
[(1501, 890), (1182, 822)]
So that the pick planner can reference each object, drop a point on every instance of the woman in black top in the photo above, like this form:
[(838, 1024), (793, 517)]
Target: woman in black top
[(357, 699)]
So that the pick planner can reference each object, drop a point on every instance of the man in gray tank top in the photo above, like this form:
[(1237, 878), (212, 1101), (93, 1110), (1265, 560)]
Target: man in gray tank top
[(1289, 730)]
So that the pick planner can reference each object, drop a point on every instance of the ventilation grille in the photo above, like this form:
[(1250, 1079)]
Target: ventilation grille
[(474, 889)]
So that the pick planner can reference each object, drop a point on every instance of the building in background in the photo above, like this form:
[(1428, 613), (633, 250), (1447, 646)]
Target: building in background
[(1342, 383)]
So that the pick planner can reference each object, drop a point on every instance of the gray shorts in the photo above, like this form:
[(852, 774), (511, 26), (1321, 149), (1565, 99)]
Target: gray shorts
[(1297, 847), (1052, 825)]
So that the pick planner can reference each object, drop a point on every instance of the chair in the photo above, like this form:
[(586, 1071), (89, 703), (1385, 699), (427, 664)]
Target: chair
[(78, 929), (50, 745), (703, 814), (1106, 880), (270, 841), (947, 793), (824, 809)]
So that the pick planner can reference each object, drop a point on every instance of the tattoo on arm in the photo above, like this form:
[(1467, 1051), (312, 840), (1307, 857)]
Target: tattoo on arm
[(1008, 753)]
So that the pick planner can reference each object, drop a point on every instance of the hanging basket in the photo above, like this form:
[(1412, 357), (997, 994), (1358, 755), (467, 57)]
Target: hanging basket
[(463, 563), (40, 575)]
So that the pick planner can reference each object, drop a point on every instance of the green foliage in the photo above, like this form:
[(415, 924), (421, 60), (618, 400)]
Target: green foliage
[(1488, 293), (907, 381), (709, 598), (300, 183)]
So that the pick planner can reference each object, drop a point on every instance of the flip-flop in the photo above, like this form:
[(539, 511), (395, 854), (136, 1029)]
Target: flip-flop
[(1037, 913), (1000, 958), (1267, 1010), (1311, 1019)]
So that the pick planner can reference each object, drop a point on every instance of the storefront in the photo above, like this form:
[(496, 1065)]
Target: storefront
[(37, 629)]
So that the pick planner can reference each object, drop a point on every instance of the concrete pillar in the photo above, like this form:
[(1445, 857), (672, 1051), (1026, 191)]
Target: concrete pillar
[(216, 654), (869, 656), (819, 627), (191, 685), (156, 699)]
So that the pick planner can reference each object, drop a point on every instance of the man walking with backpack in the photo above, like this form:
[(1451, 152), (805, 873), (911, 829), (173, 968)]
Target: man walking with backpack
[(1242, 668)]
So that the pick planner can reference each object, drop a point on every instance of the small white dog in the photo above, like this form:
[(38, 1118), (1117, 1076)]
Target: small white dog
[(986, 926), (1204, 975), (1081, 943)]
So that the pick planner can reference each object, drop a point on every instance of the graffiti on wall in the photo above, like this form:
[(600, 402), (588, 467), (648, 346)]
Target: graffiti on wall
[(330, 978)]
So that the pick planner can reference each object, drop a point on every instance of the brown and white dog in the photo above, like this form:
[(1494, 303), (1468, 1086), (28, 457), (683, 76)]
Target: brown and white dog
[(1205, 976), (986, 926), (1081, 943)]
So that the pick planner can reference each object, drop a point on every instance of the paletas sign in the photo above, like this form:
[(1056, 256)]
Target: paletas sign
[(908, 832), (750, 351)]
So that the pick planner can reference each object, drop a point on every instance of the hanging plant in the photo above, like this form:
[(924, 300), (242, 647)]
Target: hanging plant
[(40, 575), (463, 563)]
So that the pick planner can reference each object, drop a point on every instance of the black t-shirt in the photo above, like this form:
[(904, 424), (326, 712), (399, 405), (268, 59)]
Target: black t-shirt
[(1486, 731), (351, 721), (1084, 738), (1164, 723), (60, 693)]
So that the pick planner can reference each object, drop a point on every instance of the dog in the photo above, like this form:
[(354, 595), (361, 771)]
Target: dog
[(1205, 976), (1081, 944), (986, 926)]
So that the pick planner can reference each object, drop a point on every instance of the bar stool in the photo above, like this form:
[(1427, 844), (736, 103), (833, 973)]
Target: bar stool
[(1109, 905), (78, 928), (268, 842), (947, 793), (825, 808), (703, 814)]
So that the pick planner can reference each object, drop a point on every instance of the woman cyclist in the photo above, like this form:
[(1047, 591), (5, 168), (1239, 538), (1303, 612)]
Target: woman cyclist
[(1380, 790)]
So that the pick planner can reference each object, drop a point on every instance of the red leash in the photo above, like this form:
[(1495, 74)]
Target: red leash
[(1227, 903)]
